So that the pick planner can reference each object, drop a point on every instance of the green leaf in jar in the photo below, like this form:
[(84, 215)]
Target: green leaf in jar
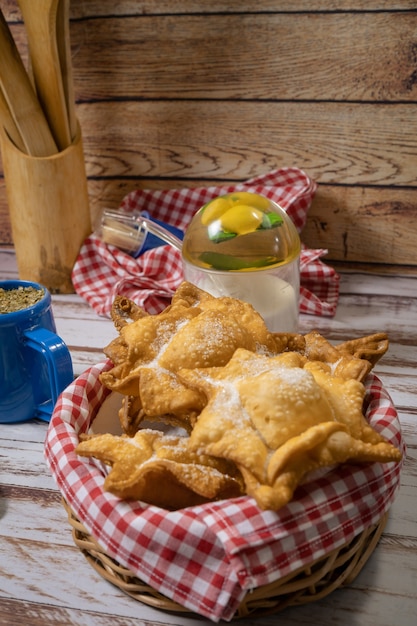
[(220, 261)]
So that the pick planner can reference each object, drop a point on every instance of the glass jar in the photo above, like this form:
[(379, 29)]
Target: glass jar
[(245, 246)]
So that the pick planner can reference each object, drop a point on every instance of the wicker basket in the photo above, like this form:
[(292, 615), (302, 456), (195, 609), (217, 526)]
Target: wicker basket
[(338, 568)]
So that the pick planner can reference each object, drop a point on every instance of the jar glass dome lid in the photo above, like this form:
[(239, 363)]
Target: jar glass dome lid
[(240, 231)]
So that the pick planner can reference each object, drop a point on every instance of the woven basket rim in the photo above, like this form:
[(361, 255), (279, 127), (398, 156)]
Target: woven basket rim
[(307, 584)]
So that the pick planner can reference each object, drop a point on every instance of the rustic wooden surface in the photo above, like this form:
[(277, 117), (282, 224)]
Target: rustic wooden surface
[(45, 580), (187, 92)]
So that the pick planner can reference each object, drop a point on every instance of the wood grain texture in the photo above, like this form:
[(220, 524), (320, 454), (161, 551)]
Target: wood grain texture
[(81, 8), (247, 56), (173, 94), (190, 139), (380, 229)]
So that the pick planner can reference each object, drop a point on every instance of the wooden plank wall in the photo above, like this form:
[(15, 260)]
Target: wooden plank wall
[(177, 93)]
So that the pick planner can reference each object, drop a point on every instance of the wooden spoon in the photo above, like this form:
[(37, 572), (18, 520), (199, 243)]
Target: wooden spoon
[(8, 124), (21, 99), (64, 53), (40, 19)]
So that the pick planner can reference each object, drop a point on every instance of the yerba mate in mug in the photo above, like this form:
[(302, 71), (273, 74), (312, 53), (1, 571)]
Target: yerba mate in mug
[(35, 364)]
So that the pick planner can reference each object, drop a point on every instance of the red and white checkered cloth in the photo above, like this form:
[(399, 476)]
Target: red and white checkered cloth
[(208, 557), (102, 271)]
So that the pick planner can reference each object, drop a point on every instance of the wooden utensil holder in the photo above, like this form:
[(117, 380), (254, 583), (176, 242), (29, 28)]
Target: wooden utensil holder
[(49, 212)]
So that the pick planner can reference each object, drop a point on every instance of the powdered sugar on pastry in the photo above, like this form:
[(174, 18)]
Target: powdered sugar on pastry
[(280, 418)]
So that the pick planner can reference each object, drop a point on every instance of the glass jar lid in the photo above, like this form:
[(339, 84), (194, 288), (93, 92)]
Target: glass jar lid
[(240, 231)]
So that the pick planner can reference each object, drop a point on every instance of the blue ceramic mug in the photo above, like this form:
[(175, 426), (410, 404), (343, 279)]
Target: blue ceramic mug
[(35, 364)]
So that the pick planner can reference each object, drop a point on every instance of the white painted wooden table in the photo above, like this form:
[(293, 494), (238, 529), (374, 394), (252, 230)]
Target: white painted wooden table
[(44, 578)]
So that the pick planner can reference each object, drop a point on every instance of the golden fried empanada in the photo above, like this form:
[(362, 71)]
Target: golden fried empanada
[(351, 359), (161, 469), (370, 348), (279, 418)]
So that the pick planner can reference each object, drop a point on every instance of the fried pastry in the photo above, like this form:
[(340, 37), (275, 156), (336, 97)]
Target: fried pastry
[(279, 418), (370, 348), (196, 330), (124, 311), (289, 342), (351, 359), (161, 469)]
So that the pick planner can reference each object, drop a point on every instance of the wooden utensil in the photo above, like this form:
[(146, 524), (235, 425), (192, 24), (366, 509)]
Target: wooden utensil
[(21, 99), (64, 53), (8, 124), (40, 19)]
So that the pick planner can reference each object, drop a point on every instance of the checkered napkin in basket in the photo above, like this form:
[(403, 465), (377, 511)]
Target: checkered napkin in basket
[(208, 557), (102, 271)]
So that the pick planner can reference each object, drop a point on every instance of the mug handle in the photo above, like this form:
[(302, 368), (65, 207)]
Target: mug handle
[(59, 363)]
